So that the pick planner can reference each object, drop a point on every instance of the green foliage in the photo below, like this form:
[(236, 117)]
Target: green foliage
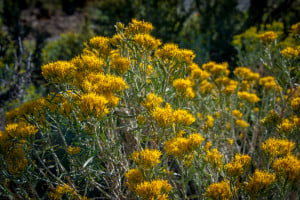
[(65, 47)]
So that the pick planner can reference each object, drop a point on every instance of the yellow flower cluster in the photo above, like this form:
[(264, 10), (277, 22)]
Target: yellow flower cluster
[(171, 52), (87, 63), (155, 189), (216, 69), (260, 181), (137, 26), (73, 150), (286, 126), (20, 130), (101, 45), (246, 73), (268, 37), (206, 87), (93, 104), (119, 64), (180, 146), (237, 166), (295, 103), (290, 52), (268, 82), (229, 84), (220, 191), (214, 157), (183, 117), (209, 123), (147, 41), (182, 85), (237, 114), (288, 167), (59, 72), (152, 101), (197, 73), (249, 97), (241, 123), (103, 84), (277, 147), (147, 158), (133, 178), (296, 28), (60, 190), (163, 116)]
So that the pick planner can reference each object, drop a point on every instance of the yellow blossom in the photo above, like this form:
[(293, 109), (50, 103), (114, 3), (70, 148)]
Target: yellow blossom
[(216, 69), (59, 72), (189, 93), (198, 73), (186, 55), (241, 123), (268, 82), (207, 146), (101, 45), (260, 181), (155, 189), (88, 63), (73, 150), (147, 158), (290, 52), (214, 157), (237, 114), (286, 126), (163, 116), (246, 73), (238, 165), (219, 191), (250, 97), (181, 85), (277, 147), (183, 117), (133, 178), (152, 101), (147, 41), (179, 146), (295, 103), (102, 83), (20, 130), (206, 87), (296, 28), (93, 104), (119, 64), (137, 26), (268, 37), (60, 190), (288, 167), (168, 52)]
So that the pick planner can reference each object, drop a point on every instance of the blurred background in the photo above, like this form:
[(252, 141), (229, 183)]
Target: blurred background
[(35, 32)]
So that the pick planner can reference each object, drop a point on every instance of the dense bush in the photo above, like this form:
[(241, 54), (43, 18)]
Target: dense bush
[(134, 118)]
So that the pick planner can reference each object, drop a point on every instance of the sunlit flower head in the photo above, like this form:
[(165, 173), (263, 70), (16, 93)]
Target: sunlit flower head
[(219, 191), (277, 147), (268, 37), (147, 158), (59, 72), (163, 115), (155, 189), (288, 167), (261, 180)]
